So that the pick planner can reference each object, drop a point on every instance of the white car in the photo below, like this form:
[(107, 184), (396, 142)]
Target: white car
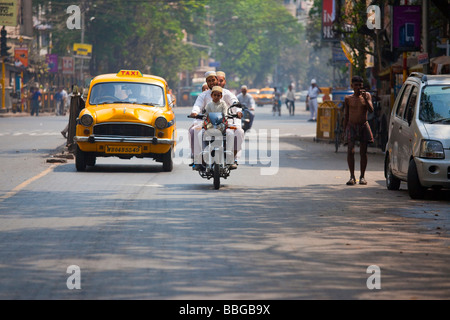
[(418, 148)]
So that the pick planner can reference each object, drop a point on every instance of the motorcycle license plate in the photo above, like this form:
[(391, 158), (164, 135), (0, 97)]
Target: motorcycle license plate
[(123, 149)]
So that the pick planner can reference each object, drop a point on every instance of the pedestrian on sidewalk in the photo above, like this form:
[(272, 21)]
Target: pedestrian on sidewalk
[(36, 97), (311, 99), (356, 107)]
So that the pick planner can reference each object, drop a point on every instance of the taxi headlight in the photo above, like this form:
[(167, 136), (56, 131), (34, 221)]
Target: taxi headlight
[(161, 122), (431, 149), (86, 120)]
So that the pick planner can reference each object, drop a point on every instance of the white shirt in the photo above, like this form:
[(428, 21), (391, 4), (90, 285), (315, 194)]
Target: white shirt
[(290, 95), (247, 100), (205, 97), (313, 92)]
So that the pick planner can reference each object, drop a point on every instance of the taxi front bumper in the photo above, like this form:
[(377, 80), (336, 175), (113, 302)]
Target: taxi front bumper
[(118, 139)]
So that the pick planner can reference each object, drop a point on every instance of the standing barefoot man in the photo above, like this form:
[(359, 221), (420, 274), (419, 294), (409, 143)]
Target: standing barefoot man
[(357, 128)]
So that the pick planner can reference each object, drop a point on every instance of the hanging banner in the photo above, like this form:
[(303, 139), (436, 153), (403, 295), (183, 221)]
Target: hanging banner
[(328, 18), (52, 62), (406, 26), (68, 65), (21, 57), (8, 12)]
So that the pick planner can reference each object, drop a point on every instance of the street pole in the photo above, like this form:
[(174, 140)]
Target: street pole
[(426, 66), (405, 60), (3, 84), (82, 41)]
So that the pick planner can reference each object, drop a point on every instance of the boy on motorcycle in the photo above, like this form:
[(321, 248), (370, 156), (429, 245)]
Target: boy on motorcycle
[(217, 105)]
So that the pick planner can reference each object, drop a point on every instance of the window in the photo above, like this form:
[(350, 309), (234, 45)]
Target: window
[(409, 112), (435, 103), (402, 103), (127, 92)]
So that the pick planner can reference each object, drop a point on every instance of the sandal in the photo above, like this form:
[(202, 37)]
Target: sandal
[(351, 182), (362, 180)]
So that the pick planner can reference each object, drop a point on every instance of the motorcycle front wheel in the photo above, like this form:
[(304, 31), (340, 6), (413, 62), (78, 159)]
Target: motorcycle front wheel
[(216, 173)]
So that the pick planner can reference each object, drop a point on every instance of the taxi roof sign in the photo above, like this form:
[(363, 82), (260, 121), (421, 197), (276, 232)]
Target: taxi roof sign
[(129, 73)]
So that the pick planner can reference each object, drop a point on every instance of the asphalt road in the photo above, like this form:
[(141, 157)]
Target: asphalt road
[(282, 226)]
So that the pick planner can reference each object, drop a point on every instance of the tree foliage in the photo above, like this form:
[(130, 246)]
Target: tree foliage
[(137, 34), (249, 37)]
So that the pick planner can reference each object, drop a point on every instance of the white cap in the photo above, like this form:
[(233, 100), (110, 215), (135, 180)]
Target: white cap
[(244, 87), (313, 81), (210, 74)]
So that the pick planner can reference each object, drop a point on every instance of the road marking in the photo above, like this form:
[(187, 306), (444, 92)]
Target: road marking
[(14, 191)]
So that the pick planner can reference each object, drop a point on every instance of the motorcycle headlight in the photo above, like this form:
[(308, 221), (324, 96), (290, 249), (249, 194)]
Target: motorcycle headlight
[(86, 120), (431, 149), (161, 122)]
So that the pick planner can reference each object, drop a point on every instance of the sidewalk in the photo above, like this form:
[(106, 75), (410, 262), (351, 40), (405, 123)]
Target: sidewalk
[(23, 114)]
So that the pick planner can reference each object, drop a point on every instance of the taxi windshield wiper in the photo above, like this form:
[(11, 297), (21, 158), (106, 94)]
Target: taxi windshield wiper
[(441, 120)]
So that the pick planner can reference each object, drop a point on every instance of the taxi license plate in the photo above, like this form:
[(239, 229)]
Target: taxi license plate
[(120, 149)]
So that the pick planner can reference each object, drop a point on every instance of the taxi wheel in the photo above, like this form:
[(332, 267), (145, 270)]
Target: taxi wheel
[(168, 160), (80, 159)]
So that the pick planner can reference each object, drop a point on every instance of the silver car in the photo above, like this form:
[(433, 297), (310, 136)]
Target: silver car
[(418, 149)]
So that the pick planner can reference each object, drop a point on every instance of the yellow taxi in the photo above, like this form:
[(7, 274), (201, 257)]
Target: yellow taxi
[(266, 96), (255, 94), (128, 114)]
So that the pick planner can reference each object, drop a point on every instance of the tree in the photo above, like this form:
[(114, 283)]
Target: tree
[(145, 35), (248, 37)]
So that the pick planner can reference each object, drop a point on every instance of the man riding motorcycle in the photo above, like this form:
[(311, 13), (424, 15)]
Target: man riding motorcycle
[(249, 102), (199, 107)]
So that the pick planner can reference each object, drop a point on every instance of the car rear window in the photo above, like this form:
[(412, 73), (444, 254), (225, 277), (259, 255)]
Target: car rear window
[(435, 103)]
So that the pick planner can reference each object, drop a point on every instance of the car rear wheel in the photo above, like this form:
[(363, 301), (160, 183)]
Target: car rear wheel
[(80, 159), (392, 182), (415, 189)]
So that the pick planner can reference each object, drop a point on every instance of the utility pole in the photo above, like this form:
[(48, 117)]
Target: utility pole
[(4, 55), (82, 41), (426, 66)]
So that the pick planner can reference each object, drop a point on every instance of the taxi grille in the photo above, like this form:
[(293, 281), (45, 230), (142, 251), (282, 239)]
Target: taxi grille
[(124, 129)]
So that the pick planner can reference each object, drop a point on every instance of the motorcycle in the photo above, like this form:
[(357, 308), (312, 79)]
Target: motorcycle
[(276, 107), (247, 117), (217, 161)]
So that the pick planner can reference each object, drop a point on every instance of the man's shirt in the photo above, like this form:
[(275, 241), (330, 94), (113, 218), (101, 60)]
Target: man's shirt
[(313, 92), (247, 100)]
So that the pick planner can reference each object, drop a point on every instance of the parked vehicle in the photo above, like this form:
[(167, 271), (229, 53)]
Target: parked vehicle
[(418, 148)]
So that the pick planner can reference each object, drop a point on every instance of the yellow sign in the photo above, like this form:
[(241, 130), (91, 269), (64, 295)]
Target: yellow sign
[(82, 50), (8, 12), (129, 73)]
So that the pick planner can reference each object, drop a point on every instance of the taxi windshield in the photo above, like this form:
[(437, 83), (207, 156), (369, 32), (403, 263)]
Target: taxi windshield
[(267, 92), (435, 104), (127, 92)]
